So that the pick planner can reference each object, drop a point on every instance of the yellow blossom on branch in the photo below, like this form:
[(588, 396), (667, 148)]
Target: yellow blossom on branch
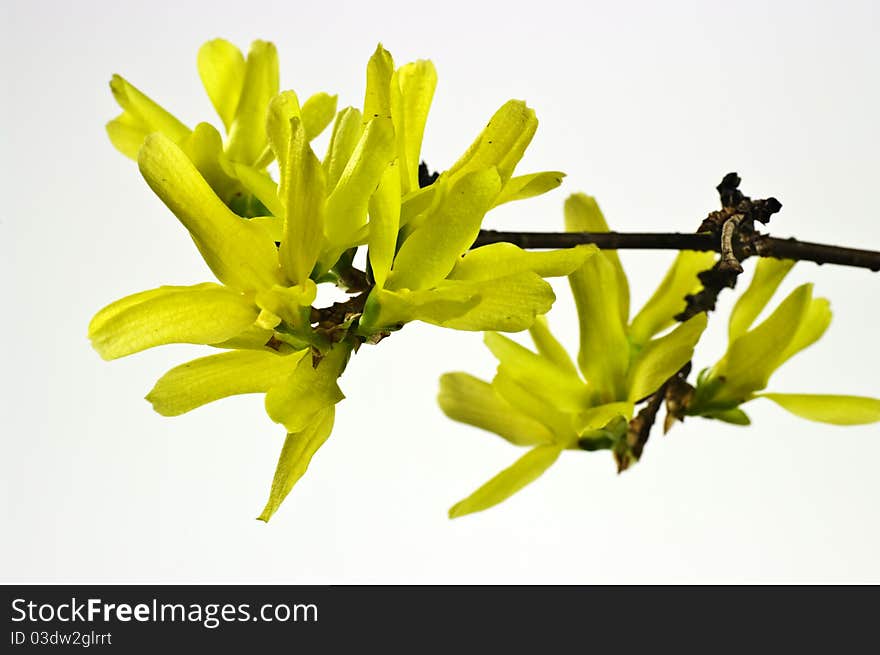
[(270, 243)]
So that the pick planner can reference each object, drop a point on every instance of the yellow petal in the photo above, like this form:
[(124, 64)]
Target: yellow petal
[(812, 327), (204, 147), (304, 219), (240, 253), (272, 225), (347, 131), (412, 89), (289, 303), (582, 214), (668, 300), (261, 186), (529, 186), (505, 304), (377, 101), (296, 454), (662, 358), (317, 113), (247, 135), (204, 314), (207, 379), (549, 347), (431, 251), (391, 309), (524, 471), (347, 204), (469, 400), (308, 390), (838, 410), (751, 359), (282, 108), (500, 259), (501, 145), (604, 348), (384, 223), (769, 273), (525, 400), (544, 378), (145, 111), (416, 205), (127, 135), (253, 338), (222, 69), (596, 418)]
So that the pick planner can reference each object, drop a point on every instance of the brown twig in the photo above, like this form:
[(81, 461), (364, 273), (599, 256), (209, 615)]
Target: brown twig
[(762, 244)]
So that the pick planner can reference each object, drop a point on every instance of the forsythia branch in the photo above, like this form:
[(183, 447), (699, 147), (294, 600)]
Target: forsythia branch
[(760, 245)]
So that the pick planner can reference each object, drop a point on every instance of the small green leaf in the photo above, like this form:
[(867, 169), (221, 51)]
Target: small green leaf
[(735, 416)]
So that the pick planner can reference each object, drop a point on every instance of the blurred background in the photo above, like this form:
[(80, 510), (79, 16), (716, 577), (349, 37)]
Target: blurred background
[(644, 105)]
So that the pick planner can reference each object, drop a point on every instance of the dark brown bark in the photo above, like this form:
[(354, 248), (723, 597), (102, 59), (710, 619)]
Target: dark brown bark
[(761, 245)]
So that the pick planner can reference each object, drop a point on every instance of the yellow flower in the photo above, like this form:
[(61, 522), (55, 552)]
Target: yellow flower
[(240, 89), (543, 401), (270, 250), (754, 354)]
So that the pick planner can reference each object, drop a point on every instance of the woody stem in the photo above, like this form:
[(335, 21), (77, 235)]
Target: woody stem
[(762, 245)]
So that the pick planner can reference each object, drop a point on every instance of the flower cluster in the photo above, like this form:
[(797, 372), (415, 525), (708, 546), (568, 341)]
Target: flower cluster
[(270, 243), (542, 400), (754, 354)]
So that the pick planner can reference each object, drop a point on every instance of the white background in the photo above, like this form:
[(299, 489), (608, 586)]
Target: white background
[(645, 105)]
